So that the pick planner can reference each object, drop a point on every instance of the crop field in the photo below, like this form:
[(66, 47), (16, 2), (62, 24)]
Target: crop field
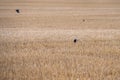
[(60, 40)]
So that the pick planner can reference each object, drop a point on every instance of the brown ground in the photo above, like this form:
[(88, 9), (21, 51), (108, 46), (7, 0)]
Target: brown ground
[(37, 44)]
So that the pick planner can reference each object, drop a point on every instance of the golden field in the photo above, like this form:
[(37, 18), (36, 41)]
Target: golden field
[(37, 43)]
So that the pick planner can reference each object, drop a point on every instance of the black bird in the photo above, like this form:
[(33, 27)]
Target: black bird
[(75, 40), (17, 10)]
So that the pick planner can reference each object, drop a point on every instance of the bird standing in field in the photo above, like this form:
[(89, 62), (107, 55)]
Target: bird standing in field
[(17, 10), (75, 40)]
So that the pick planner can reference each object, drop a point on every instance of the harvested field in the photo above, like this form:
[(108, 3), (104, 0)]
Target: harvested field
[(60, 40)]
